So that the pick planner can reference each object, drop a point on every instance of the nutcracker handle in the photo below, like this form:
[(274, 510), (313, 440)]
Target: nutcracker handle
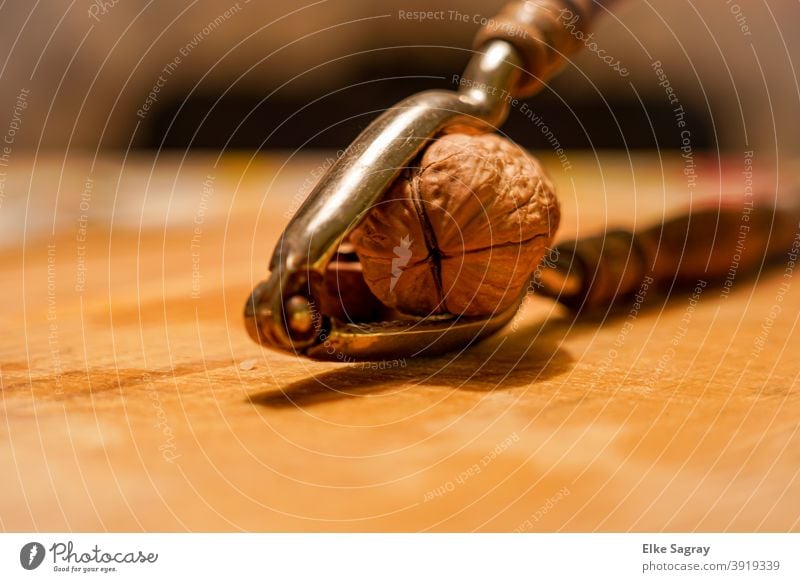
[(710, 245), (544, 33)]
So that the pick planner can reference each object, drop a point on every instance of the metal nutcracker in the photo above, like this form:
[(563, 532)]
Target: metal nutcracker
[(298, 309)]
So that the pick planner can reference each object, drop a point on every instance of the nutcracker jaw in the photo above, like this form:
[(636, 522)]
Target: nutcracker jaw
[(335, 339), (336, 317)]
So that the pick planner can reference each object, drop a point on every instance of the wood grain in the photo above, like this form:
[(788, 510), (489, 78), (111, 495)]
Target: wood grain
[(137, 401)]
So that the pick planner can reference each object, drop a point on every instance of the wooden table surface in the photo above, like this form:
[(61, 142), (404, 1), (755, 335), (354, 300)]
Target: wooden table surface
[(132, 398)]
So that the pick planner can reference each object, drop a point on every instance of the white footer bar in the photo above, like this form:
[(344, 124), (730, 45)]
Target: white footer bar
[(389, 557)]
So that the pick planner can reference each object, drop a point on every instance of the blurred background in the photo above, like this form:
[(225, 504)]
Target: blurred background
[(120, 74)]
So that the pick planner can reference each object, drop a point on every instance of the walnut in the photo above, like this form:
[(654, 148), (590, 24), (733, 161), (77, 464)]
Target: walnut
[(460, 233)]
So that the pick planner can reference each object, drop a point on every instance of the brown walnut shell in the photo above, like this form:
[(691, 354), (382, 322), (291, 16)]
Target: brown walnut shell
[(462, 232)]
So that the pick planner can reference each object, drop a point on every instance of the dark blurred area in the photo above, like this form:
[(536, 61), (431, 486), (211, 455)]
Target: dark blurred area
[(221, 74), (248, 122)]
